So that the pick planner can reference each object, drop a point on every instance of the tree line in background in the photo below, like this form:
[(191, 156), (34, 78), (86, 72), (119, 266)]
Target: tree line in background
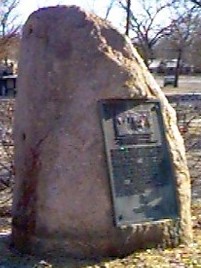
[(9, 31), (165, 29)]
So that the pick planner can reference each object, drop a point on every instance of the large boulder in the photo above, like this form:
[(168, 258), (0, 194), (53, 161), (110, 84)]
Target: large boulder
[(69, 60)]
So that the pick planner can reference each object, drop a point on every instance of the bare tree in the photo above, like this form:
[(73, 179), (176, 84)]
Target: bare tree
[(181, 38), (8, 26), (184, 27), (145, 25), (111, 4), (194, 50)]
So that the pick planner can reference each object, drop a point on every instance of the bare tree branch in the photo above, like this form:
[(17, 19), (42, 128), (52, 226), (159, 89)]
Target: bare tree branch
[(196, 2), (109, 9), (145, 26), (8, 26)]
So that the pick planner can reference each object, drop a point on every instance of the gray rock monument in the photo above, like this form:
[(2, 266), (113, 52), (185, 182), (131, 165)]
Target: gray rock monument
[(71, 64)]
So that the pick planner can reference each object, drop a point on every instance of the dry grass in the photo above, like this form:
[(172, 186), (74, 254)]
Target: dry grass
[(184, 256)]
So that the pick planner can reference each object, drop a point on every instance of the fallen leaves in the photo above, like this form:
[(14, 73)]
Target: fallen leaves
[(183, 256)]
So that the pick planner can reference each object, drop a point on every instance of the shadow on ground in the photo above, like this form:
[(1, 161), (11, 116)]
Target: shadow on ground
[(10, 258)]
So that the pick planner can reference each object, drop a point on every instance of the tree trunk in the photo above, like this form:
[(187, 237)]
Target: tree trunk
[(177, 69), (3, 35), (128, 17)]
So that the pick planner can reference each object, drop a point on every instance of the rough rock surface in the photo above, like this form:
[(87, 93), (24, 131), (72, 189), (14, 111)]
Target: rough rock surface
[(69, 60)]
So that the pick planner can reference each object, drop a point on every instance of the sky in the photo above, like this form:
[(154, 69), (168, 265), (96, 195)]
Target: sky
[(26, 7), (99, 7)]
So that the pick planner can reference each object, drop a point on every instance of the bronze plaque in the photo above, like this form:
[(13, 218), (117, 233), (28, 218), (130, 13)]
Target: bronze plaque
[(140, 169)]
